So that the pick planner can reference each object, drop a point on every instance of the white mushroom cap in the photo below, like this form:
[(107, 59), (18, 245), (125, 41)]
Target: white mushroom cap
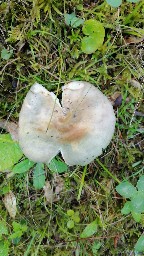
[(80, 128)]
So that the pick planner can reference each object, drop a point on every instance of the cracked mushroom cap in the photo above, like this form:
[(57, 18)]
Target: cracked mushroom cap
[(80, 129)]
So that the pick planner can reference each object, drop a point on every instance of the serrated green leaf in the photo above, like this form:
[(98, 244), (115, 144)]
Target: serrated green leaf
[(23, 166), (70, 224), (57, 166), (5, 54), (126, 189), (136, 216), (39, 176), (127, 208), (10, 152), (90, 229), (3, 228), (114, 3), (140, 183), (139, 247), (137, 202)]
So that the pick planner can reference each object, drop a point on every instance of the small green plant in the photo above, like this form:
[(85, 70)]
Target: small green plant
[(72, 20), (135, 205), (73, 218), (117, 3), (6, 54), (6, 238)]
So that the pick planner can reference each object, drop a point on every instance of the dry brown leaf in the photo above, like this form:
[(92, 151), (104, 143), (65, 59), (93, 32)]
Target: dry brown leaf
[(58, 184), (48, 192), (52, 193), (134, 40), (135, 84), (10, 204)]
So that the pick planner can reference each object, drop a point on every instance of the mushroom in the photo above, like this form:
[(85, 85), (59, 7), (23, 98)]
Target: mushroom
[(80, 128)]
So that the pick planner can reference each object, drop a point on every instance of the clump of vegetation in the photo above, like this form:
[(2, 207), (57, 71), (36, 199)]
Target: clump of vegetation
[(53, 209)]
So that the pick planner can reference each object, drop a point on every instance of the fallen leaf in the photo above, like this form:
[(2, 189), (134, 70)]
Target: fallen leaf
[(134, 40), (52, 193), (135, 84), (48, 192), (10, 204), (58, 184)]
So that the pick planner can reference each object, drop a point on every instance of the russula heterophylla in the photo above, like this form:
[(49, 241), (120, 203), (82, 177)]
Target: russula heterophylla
[(80, 127)]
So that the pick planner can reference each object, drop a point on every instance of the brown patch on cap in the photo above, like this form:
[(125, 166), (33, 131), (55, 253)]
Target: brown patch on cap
[(69, 130)]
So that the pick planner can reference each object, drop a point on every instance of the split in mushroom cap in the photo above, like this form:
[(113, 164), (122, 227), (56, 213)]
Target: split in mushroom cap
[(80, 128)]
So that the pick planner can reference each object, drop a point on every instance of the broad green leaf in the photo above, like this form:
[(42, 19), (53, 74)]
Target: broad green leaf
[(23, 166), (127, 208), (137, 202), (90, 44), (4, 248), (136, 216), (140, 183), (126, 189), (57, 166), (90, 229), (95, 36), (70, 224), (5, 54), (114, 3), (72, 20), (139, 247), (3, 228), (39, 176), (10, 152), (93, 27)]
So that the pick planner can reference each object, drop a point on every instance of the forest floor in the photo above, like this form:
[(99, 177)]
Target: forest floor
[(38, 44)]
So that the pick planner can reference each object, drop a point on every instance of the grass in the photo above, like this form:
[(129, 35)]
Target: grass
[(48, 51)]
